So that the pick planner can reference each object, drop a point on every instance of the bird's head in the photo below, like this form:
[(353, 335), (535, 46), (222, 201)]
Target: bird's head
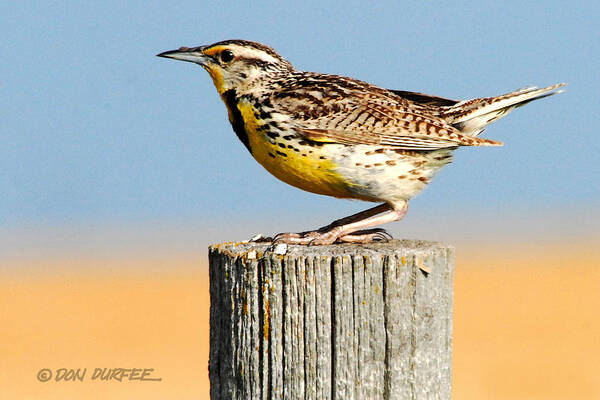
[(232, 62)]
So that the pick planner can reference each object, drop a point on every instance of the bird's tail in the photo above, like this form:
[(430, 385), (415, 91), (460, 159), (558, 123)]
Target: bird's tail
[(471, 116)]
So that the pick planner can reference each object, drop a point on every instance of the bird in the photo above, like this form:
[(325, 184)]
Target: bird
[(342, 137)]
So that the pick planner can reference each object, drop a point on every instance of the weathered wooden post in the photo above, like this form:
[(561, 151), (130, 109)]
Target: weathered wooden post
[(331, 322)]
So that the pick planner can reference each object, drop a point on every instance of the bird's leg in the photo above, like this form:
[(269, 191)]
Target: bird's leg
[(357, 217), (338, 222), (281, 237), (354, 227)]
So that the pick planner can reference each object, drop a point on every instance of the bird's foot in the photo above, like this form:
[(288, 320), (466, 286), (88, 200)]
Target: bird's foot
[(367, 236), (353, 229), (334, 235)]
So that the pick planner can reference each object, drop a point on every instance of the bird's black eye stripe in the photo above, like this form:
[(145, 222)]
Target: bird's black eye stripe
[(226, 55)]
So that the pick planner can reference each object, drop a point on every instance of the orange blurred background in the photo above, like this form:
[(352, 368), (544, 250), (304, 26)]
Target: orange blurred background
[(526, 323)]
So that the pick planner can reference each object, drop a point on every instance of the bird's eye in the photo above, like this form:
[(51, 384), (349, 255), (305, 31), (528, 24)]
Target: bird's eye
[(226, 56)]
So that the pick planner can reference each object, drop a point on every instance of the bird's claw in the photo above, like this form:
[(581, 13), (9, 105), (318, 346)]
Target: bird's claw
[(320, 237), (366, 236)]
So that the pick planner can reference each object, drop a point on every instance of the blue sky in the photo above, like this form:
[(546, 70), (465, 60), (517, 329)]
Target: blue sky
[(96, 128)]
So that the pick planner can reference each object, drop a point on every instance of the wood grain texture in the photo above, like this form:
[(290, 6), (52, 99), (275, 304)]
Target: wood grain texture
[(331, 322)]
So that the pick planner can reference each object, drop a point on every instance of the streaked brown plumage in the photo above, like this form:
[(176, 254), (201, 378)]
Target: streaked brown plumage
[(342, 137)]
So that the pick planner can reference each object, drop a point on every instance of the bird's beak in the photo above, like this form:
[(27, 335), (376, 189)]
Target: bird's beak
[(193, 54)]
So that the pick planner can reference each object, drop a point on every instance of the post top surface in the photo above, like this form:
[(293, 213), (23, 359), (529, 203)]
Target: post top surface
[(393, 246)]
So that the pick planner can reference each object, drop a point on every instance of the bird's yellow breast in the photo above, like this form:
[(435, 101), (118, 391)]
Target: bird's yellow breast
[(303, 166)]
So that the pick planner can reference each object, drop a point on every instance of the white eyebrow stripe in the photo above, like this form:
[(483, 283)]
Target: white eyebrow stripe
[(246, 52)]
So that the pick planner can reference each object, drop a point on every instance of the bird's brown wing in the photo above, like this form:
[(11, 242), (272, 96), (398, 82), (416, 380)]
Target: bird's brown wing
[(334, 109), (391, 125)]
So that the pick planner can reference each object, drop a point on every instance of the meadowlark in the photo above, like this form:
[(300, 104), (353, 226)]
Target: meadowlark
[(342, 137)]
